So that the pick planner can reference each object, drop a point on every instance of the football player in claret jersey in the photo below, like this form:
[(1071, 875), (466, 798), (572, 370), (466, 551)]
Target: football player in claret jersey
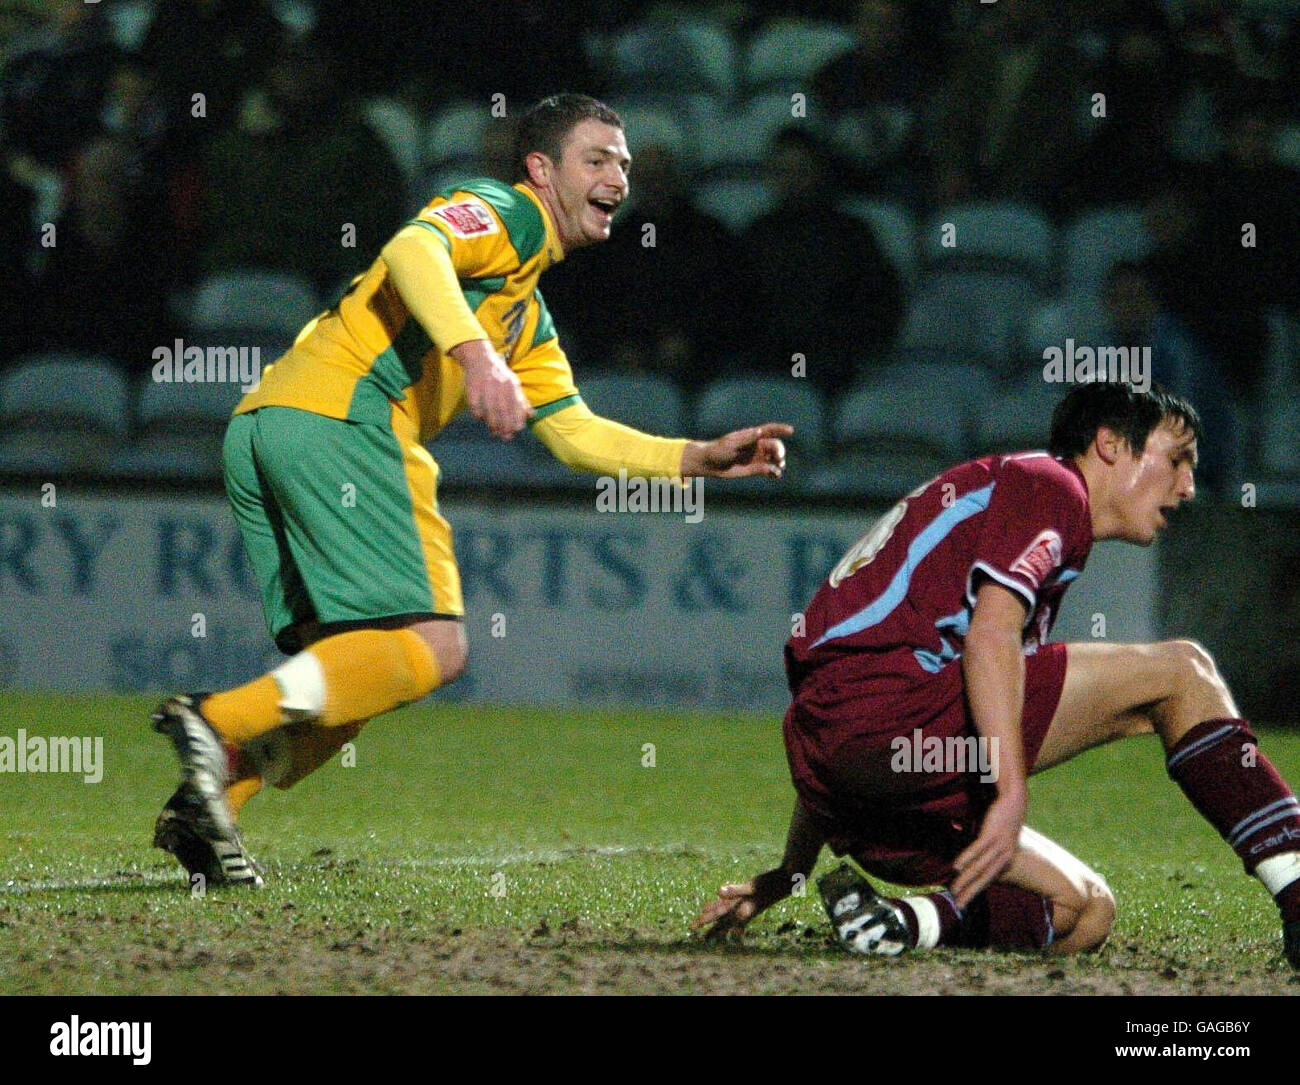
[(924, 691), (364, 595)]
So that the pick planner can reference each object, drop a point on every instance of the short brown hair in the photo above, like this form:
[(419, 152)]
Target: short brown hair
[(547, 124)]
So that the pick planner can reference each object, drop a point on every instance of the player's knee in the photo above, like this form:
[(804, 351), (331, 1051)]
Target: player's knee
[(449, 645), (1191, 664), (1097, 917)]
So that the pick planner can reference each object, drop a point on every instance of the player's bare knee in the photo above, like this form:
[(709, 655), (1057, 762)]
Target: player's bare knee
[(450, 647), (1192, 665), (1098, 916)]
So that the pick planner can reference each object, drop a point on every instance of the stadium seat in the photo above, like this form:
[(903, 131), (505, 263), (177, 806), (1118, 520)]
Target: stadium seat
[(649, 125), (164, 407), (892, 416), (973, 315), (172, 457), (1078, 316), (1019, 418), (1280, 440), (681, 56), (1287, 151), (1097, 240), (788, 53), (745, 134), (269, 301), (733, 402), (456, 133), (874, 477), (61, 412), (401, 132), (734, 201), (643, 401), (498, 464), (129, 23), (75, 391), (1003, 238), (895, 231), (966, 386)]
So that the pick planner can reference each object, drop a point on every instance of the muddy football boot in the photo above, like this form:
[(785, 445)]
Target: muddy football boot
[(204, 764), (221, 861), (864, 921)]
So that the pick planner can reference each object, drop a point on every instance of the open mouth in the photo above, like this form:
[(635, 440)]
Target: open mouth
[(606, 207)]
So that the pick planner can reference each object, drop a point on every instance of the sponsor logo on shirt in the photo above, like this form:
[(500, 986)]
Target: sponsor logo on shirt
[(467, 219), (1040, 557)]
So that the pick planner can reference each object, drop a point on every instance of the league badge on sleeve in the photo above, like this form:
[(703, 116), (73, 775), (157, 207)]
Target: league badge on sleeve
[(467, 218), (1040, 557)]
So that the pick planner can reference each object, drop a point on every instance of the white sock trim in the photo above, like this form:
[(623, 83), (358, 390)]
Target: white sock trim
[(1279, 871), (302, 687), (927, 921)]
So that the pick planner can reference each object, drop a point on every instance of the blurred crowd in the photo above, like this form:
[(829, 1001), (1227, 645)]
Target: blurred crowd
[(141, 155)]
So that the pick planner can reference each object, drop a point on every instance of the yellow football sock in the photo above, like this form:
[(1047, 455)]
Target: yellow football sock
[(238, 793), (338, 680), (240, 714)]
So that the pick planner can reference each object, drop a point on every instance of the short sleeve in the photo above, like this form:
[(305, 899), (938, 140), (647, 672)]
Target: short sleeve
[(1027, 533)]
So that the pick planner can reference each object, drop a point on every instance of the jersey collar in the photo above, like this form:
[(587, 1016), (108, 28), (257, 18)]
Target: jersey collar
[(552, 250)]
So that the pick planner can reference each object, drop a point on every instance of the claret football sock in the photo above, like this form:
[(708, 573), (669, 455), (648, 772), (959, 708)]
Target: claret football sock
[(1238, 791), (311, 745), (338, 680), (1002, 917)]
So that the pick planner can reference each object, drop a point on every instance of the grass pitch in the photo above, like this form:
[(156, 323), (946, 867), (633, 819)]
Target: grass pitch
[(481, 850)]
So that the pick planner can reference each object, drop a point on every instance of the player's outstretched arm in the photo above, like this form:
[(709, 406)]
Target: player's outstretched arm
[(736, 904), (757, 450)]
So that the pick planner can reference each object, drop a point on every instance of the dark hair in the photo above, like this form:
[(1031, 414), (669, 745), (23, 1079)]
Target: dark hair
[(547, 124), (1119, 407)]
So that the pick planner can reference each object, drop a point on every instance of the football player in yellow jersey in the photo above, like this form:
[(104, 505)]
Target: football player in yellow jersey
[(364, 595)]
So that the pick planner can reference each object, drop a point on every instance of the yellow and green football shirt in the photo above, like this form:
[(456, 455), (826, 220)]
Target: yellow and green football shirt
[(368, 353)]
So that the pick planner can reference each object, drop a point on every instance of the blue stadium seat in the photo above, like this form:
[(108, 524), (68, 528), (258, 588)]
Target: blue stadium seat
[(1019, 419), (735, 201), (640, 400), (174, 457), (968, 387), (129, 23), (646, 124), (268, 301), (734, 402), (1097, 240), (788, 53), (899, 416), (184, 408), (895, 231), (1078, 316), (456, 133), (880, 476), (686, 55), (970, 314), (401, 132), (1003, 237), (61, 412), (1280, 440)]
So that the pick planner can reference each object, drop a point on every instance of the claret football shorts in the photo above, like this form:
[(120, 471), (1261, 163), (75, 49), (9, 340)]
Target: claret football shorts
[(854, 766), (340, 520)]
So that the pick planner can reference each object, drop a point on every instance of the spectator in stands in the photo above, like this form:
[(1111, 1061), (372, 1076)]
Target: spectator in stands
[(19, 246), (211, 47), (54, 84), (1005, 126), (101, 292), (872, 94), (666, 294), (1247, 185), (1138, 72), (298, 147), (825, 290), (1179, 361)]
